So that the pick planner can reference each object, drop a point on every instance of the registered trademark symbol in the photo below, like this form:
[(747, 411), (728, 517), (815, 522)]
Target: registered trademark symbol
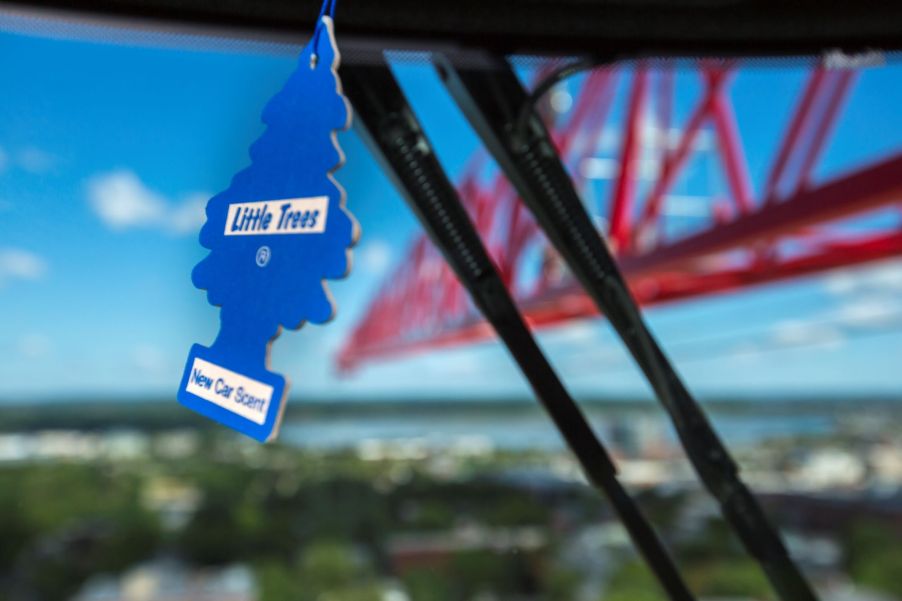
[(263, 256)]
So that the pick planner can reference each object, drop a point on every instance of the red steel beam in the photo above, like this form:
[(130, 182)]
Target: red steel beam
[(868, 188), (828, 119), (428, 309), (673, 162), (732, 154), (676, 287), (793, 132), (571, 302), (664, 101), (624, 192)]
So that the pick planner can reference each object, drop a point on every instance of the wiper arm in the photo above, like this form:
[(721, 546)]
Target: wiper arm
[(396, 139), (492, 97)]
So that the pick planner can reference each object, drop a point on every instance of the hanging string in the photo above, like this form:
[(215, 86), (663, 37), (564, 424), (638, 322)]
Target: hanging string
[(327, 7)]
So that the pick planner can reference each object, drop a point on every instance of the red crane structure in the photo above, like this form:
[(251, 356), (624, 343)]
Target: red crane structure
[(783, 228)]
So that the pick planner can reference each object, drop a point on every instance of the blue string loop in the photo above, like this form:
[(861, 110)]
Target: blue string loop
[(327, 7)]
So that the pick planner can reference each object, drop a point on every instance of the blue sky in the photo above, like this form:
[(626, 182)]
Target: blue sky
[(108, 152)]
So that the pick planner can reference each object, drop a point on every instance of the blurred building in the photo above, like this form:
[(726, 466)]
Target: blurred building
[(172, 581)]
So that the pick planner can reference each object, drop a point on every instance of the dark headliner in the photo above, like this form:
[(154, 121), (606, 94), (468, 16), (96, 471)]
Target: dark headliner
[(650, 27)]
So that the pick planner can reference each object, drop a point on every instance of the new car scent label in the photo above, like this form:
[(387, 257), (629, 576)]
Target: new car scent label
[(239, 394)]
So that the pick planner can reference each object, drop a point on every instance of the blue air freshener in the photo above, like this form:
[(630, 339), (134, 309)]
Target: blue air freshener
[(275, 235)]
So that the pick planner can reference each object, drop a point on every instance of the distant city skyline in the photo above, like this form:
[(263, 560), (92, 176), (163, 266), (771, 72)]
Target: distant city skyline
[(109, 151)]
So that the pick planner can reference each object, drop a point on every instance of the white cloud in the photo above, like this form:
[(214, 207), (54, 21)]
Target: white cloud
[(30, 159), (744, 353), (582, 359), (123, 201), (865, 300), (188, 216), (149, 359), (840, 283), (602, 168), (682, 205), (581, 331), (34, 346), (375, 256), (870, 311), (868, 297), (19, 264), (792, 333), (458, 363), (599, 168), (34, 160), (884, 277)]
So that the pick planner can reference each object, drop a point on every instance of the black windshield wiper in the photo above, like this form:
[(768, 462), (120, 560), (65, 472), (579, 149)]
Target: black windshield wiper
[(492, 98), (398, 142)]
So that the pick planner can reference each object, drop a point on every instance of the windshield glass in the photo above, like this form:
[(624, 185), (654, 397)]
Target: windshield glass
[(413, 461)]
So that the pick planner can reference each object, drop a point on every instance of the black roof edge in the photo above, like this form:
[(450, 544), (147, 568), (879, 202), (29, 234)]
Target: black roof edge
[(539, 27)]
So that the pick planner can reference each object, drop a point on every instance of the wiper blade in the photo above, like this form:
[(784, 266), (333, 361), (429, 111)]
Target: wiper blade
[(396, 139), (492, 97)]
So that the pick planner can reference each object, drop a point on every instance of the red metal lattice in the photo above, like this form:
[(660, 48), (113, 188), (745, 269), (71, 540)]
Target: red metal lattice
[(787, 231)]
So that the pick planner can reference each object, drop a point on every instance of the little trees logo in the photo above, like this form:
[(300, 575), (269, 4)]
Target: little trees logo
[(289, 216)]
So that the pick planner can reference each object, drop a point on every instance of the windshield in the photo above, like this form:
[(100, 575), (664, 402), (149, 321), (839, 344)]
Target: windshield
[(413, 461)]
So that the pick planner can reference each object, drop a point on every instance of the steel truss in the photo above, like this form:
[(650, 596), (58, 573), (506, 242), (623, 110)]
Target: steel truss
[(789, 227)]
